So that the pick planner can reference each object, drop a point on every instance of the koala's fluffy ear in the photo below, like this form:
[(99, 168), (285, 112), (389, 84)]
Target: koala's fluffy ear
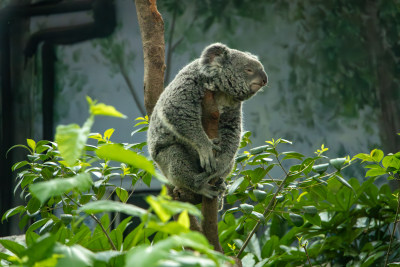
[(213, 58)]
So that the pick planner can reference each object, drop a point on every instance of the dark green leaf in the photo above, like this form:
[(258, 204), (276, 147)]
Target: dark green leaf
[(235, 185), (246, 208), (13, 211), (296, 219)]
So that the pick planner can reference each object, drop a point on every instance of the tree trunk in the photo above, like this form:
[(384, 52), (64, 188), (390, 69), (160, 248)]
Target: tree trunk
[(383, 64), (152, 31)]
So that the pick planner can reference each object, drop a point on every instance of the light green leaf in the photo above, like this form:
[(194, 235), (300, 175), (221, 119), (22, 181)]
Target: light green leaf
[(118, 153), (377, 155), (105, 110), (31, 143), (71, 140), (12, 246), (108, 133), (122, 194), (112, 206), (162, 213), (57, 187)]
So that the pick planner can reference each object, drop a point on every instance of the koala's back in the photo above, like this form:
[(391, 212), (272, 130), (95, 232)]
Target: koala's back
[(176, 101)]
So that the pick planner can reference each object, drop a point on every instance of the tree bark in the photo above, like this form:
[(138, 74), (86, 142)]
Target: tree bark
[(383, 63), (152, 31), (210, 119)]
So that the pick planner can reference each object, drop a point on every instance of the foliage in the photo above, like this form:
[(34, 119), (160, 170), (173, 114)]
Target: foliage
[(285, 209), (68, 183), (317, 214)]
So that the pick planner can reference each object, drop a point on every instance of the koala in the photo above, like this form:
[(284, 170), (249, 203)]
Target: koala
[(176, 139)]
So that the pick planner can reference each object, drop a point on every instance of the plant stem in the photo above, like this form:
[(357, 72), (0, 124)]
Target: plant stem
[(267, 209), (97, 221), (308, 257), (393, 231)]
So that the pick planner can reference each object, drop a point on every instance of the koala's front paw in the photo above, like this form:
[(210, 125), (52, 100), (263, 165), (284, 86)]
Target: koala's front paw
[(220, 185), (209, 191), (207, 159)]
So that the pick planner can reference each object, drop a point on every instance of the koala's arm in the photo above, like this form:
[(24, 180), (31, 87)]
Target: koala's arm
[(182, 116)]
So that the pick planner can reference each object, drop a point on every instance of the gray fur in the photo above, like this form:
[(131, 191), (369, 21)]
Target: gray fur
[(176, 139)]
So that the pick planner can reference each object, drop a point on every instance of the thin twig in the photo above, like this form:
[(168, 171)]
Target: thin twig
[(97, 221), (393, 231), (308, 257)]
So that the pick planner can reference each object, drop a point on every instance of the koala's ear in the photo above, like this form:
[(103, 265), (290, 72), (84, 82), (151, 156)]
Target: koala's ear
[(213, 58)]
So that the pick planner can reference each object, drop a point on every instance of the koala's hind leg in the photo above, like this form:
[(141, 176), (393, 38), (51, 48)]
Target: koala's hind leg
[(181, 166)]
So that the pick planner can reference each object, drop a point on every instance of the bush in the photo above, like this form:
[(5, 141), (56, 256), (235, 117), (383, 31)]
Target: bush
[(286, 209)]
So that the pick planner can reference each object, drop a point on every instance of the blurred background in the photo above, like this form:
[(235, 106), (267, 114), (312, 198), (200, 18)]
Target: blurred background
[(333, 69)]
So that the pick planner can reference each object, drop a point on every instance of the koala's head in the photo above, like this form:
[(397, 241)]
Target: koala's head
[(236, 73)]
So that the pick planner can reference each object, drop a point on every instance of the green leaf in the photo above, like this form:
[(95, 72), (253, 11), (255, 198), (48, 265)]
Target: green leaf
[(19, 165), (247, 208), (56, 187), (119, 153), (103, 109), (310, 209), (269, 246), (235, 185), (112, 206), (12, 212), (108, 133), (33, 206), (377, 155), (258, 150), (313, 218), (375, 170), (260, 195), (141, 256), (71, 140), (41, 249), (122, 194), (76, 256), (320, 168), (147, 179), (14, 146), (337, 163), (296, 219), (363, 157), (345, 183), (12, 246), (258, 215), (31, 143), (292, 155), (256, 175)]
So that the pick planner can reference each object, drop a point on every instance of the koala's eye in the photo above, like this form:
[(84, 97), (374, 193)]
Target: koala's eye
[(249, 70)]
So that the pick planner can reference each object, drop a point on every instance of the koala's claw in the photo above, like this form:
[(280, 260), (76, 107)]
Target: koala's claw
[(208, 161), (209, 191)]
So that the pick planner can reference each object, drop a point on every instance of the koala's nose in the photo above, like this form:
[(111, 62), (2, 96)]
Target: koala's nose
[(264, 78)]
